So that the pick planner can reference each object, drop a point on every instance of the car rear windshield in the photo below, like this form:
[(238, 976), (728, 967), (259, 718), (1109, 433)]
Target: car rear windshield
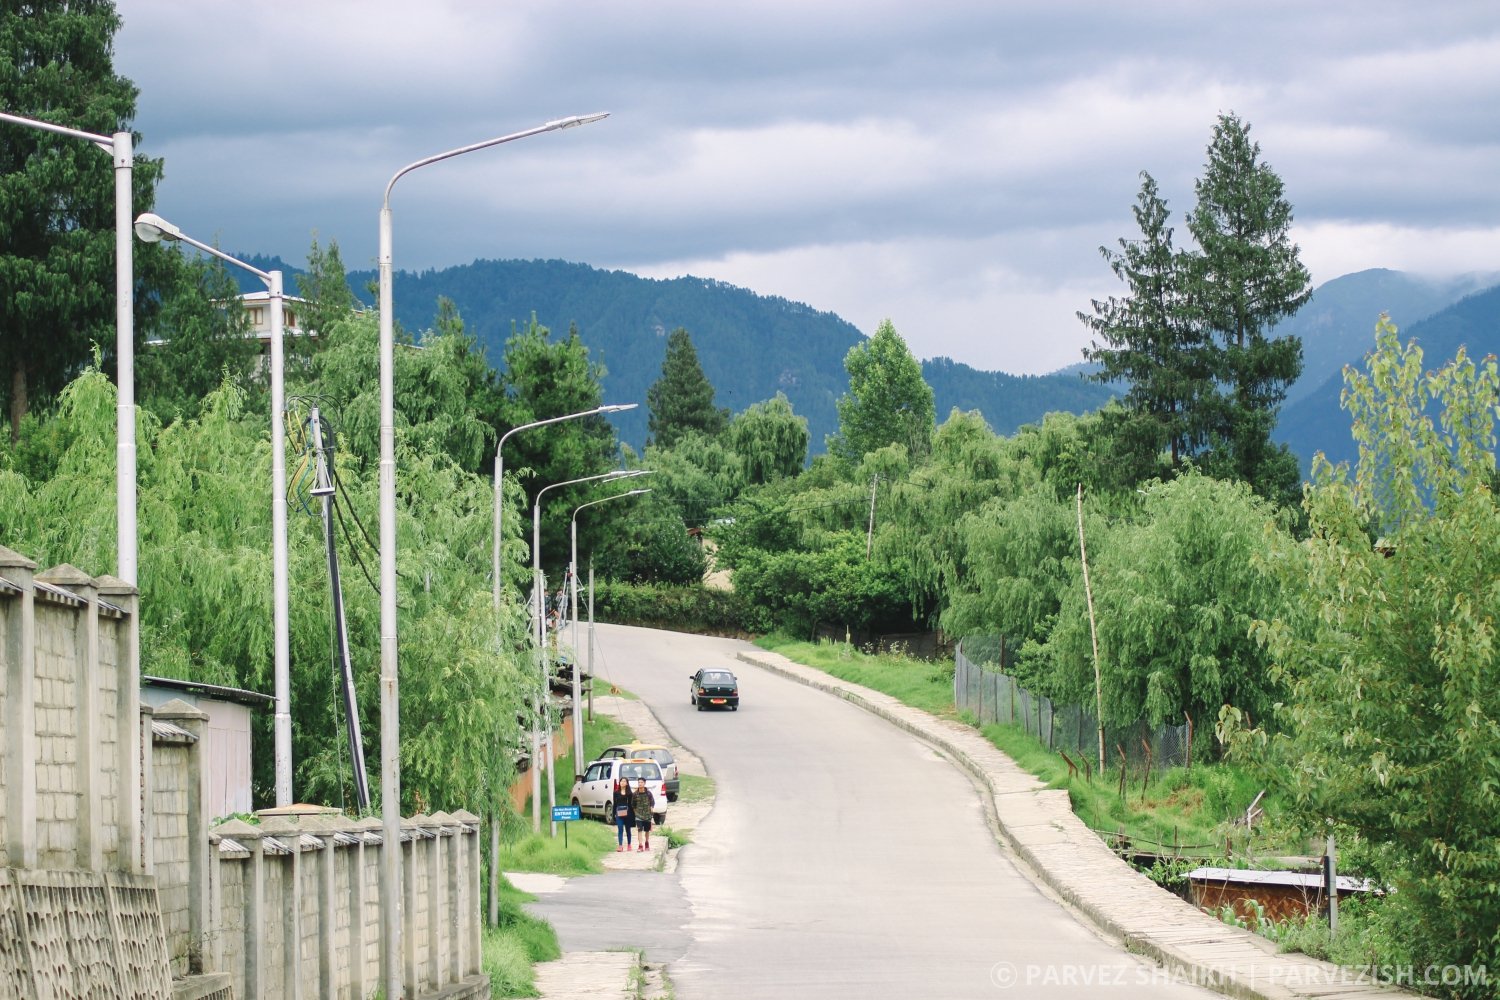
[(660, 756), (718, 678), (640, 769)]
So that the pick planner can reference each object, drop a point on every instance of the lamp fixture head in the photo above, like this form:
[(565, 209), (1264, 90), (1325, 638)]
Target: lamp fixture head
[(152, 228)]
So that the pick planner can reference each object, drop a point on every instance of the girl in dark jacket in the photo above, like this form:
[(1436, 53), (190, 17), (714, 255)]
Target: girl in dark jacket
[(624, 807)]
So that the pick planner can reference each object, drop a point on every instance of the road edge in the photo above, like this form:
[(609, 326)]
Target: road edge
[(1059, 852)]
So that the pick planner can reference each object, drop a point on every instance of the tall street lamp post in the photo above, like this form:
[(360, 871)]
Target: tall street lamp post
[(541, 641), (495, 587), (150, 228), (120, 147), (573, 579), (390, 725)]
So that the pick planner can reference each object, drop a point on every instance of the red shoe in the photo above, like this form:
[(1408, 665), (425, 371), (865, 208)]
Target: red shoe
[(619, 849)]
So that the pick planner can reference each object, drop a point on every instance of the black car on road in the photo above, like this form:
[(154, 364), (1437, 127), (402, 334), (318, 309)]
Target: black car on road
[(715, 688)]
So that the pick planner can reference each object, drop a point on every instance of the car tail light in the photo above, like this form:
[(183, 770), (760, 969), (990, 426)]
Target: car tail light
[(703, 690), (735, 693)]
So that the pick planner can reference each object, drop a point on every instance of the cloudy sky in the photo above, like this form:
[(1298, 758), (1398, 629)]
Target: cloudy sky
[(951, 166)]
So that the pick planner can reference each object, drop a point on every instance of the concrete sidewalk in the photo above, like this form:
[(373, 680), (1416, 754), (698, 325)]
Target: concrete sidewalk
[(1039, 825), (619, 975)]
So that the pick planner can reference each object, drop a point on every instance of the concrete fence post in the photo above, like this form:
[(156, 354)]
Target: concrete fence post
[(81, 759), (201, 919), (20, 695), (124, 596), (476, 948), (437, 900), (328, 908), (413, 837), (144, 714)]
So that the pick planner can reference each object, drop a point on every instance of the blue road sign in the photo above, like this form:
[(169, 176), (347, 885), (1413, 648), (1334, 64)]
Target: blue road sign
[(561, 814)]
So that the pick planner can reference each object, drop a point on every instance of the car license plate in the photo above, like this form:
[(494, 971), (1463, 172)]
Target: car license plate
[(716, 701)]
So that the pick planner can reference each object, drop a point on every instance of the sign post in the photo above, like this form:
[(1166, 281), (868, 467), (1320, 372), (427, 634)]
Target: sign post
[(563, 815)]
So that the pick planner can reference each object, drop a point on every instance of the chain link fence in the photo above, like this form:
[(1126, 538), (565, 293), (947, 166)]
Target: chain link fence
[(982, 689)]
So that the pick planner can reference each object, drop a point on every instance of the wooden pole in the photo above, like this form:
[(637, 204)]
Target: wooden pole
[(1088, 593)]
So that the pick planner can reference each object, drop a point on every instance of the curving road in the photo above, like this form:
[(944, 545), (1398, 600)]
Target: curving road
[(842, 859)]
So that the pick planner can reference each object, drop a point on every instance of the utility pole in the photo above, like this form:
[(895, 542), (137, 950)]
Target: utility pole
[(1088, 592), (870, 533)]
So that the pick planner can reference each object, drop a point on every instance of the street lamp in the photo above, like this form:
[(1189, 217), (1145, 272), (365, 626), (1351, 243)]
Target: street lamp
[(541, 653), (151, 228), (573, 575), (390, 722), (120, 147), (495, 585), (500, 477)]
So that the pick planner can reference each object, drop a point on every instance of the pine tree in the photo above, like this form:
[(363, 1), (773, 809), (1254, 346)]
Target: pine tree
[(1149, 341), (56, 194), (682, 399), (1247, 276)]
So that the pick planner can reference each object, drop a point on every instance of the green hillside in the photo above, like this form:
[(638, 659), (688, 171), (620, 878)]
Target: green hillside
[(751, 346), (1316, 422)]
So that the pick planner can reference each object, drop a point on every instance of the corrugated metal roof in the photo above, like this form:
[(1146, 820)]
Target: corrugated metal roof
[(166, 732), (1300, 880)]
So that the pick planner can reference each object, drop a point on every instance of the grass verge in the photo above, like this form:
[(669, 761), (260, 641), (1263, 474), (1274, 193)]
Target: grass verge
[(511, 950)]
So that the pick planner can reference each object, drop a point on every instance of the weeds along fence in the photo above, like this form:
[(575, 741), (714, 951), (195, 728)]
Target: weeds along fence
[(982, 689)]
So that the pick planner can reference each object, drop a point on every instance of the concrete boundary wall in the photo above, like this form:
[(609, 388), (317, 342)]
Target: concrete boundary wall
[(294, 905)]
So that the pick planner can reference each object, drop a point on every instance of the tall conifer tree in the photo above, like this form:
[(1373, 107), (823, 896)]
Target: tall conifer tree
[(56, 193), (682, 399), (1246, 277), (1148, 340)]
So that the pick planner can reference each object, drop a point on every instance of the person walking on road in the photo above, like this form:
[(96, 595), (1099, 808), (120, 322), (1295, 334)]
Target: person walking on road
[(642, 801), (624, 806)]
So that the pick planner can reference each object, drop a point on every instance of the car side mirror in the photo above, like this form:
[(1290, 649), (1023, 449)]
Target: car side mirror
[(692, 677), (577, 778)]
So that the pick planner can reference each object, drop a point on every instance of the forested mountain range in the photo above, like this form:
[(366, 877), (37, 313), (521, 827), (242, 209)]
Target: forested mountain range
[(751, 346), (1315, 422)]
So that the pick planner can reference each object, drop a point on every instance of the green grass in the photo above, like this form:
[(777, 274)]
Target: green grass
[(511, 950), (586, 840), (1177, 809), (924, 684), (694, 788)]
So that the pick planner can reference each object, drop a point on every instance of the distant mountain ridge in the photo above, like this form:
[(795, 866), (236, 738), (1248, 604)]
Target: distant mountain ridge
[(751, 346)]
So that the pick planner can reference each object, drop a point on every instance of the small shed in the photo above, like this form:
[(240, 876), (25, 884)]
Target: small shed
[(226, 736), (1280, 895)]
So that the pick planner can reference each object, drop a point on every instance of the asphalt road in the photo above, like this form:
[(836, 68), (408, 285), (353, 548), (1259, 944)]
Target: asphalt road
[(842, 859)]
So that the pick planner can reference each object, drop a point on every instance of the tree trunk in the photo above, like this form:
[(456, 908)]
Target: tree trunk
[(17, 399)]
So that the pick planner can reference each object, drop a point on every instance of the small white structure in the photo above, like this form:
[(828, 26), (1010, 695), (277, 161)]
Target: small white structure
[(226, 737)]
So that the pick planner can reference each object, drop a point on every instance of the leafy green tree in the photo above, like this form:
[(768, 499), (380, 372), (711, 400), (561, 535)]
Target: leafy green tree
[(770, 441), (697, 477), (199, 336), (1149, 341), (682, 399), (57, 195), (1175, 594), (1247, 276), (1392, 730), (888, 401), (921, 529), (1022, 559), (544, 378), (324, 289), (646, 542)]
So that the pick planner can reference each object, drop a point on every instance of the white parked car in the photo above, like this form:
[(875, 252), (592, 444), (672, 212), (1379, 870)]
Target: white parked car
[(649, 751), (594, 792)]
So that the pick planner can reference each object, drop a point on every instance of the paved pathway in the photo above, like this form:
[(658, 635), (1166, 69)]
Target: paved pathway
[(589, 975), (1040, 826)]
